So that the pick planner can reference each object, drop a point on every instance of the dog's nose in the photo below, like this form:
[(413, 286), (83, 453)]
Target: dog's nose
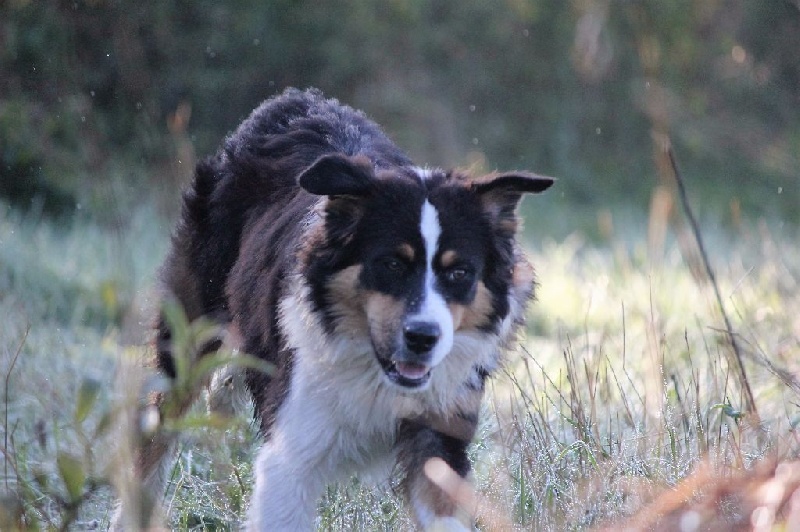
[(421, 336)]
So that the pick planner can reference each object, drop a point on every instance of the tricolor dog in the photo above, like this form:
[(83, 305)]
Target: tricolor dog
[(381, 292)]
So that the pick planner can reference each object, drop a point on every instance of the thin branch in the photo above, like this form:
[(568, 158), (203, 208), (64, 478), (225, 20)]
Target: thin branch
[(737, 358), (8, 377)]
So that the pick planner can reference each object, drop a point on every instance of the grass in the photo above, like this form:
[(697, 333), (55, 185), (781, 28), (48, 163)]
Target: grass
[(635, 390), (620, 388)]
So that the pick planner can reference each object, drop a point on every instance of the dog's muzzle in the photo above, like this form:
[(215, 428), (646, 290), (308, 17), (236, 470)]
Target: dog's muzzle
[(410, 367)]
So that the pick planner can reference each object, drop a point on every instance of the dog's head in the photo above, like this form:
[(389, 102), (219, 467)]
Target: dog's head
[(412, 258)]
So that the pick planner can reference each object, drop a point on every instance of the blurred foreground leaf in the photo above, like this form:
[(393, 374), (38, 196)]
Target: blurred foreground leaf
[(729, 411), (87, 397), (72, 473)]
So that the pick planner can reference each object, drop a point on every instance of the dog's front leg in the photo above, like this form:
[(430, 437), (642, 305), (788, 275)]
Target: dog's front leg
[(420, 444), (287, 489)]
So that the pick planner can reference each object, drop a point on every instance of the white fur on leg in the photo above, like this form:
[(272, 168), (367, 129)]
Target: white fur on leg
[(285, 494)]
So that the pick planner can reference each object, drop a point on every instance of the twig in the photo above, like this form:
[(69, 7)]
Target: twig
[(5, 392), (737, 359)]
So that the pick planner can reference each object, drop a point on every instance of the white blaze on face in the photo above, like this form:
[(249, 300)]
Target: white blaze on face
[(433, 307)]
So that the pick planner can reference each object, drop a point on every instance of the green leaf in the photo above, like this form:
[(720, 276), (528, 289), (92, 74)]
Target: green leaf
[(199, 421), (210, 362), (104, 424), (87, 397), (72, 473), (109, 293), (41, 478), (729, 411), (203, 332), (179, 331), (576, 446)]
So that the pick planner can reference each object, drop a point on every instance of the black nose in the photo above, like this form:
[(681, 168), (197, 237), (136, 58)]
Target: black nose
[(421, 336)]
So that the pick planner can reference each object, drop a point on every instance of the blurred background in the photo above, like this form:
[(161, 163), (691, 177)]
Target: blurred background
[(106, 104)]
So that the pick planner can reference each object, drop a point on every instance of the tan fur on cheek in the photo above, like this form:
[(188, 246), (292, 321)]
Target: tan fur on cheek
[(385, 316), (347, 300), (475, 314)]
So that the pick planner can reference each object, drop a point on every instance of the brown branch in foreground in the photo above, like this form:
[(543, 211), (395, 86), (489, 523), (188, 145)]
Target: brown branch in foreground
[(737, 354), (762, 498)]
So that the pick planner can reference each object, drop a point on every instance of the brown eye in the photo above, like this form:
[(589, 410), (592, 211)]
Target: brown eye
[(457, 275), (394, 265)]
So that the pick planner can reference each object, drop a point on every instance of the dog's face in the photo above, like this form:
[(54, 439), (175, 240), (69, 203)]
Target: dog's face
[(411, 258)]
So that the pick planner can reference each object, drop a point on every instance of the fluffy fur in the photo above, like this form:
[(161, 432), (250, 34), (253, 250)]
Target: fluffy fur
[(382, 294)]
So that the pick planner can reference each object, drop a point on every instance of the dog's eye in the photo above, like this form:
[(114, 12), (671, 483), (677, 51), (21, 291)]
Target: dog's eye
[(458, 274), (394, 265)]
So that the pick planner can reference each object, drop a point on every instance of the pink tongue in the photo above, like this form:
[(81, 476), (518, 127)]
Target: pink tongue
[(411, 370)]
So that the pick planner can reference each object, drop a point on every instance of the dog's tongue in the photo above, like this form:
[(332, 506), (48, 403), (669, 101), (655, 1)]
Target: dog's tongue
[(409, 370)]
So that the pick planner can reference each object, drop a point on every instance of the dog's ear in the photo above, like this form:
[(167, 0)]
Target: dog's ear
[(337, 174), (500, 194)]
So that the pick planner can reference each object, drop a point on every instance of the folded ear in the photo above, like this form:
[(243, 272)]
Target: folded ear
[(337, 174), (501, 193), (513, 183)]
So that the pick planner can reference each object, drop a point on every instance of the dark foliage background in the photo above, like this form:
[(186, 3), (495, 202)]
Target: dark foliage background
[(101, 100)]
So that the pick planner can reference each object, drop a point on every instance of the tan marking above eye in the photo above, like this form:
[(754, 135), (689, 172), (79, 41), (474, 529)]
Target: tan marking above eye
[(406, 251), (474, 315), (448, 258)]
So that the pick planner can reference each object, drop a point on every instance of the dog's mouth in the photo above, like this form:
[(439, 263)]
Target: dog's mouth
[(406, 374)]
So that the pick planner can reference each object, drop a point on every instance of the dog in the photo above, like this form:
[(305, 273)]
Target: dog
[(382, 294)]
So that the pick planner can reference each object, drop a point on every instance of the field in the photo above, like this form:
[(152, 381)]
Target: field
[(623, 402)]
